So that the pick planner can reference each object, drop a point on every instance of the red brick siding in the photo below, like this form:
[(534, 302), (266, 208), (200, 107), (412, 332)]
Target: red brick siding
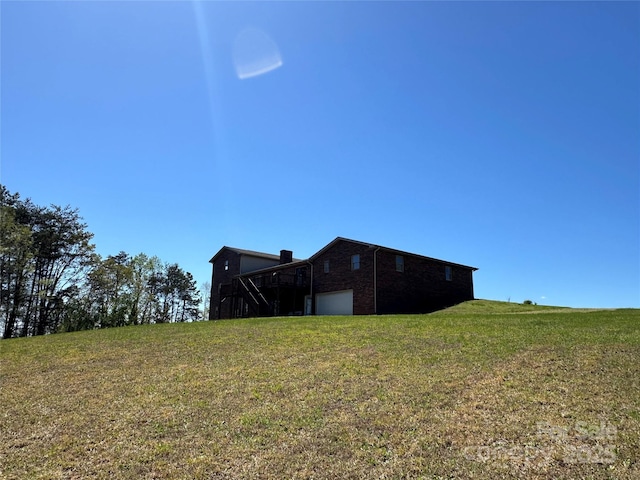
[(220, 276), (422, 287), (341, 277)]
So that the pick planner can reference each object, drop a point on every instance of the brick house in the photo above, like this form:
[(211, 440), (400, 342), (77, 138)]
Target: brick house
[(346, 277)]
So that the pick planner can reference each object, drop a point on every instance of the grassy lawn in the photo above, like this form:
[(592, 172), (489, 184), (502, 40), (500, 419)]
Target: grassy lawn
[(483, 390)]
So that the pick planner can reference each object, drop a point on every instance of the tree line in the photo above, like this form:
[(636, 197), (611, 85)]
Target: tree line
[(52, 280)]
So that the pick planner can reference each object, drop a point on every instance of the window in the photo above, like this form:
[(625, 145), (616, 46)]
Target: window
[(399, 263), (326, 266), (355, 262), (301, 273), (447, 273), (226, 265)]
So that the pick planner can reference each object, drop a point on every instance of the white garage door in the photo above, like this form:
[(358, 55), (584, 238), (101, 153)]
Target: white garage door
[(335, 303)]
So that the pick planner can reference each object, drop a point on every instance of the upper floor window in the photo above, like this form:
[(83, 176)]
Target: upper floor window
[(326, 266), (226, 265), (355, 262), (399, 263), (301, 273), (448, 274)]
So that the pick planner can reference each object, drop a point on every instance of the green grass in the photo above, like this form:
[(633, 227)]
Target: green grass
[(483, 390)]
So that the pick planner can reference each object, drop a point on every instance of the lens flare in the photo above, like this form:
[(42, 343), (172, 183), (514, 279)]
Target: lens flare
[(255, 53)]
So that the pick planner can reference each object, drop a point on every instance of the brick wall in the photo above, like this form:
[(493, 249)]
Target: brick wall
[(422, 286), (342, 277), (220, 276)]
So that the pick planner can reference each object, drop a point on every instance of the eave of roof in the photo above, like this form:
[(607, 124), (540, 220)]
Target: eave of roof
[(390, 250), (270, 256), (274, 268), (249, 253)]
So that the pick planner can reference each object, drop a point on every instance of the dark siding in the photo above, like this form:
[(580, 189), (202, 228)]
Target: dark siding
[(341, 277), (221, 282), (284, 288), (422, 287)]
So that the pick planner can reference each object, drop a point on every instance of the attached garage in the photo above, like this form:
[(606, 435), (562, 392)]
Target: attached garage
[(335, 303)]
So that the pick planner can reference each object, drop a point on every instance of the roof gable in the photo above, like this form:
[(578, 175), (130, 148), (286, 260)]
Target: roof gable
[(335, 242), (386, 249), (249, 253), (327, 247)]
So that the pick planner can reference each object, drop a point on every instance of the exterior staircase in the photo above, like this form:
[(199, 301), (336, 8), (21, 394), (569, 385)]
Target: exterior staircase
[(255, 304)]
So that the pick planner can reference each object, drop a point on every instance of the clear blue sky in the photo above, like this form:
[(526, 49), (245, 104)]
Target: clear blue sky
[(500, 135)]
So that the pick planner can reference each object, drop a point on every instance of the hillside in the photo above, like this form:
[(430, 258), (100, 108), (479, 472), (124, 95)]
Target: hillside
[(482, 390)]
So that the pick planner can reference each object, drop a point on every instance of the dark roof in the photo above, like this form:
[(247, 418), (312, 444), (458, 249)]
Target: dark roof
[(324, 249), (250, 253), (391, 250)]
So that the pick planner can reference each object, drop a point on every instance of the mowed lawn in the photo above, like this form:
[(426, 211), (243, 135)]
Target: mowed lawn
[(483, 390)]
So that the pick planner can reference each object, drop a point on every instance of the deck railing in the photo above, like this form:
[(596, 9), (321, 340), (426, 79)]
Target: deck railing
[(279, 279)]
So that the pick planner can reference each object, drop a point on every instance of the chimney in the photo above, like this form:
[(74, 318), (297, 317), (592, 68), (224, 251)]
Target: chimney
[(286, 256)]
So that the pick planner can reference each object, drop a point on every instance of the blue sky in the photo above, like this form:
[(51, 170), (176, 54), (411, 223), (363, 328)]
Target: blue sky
[(500, 135)]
